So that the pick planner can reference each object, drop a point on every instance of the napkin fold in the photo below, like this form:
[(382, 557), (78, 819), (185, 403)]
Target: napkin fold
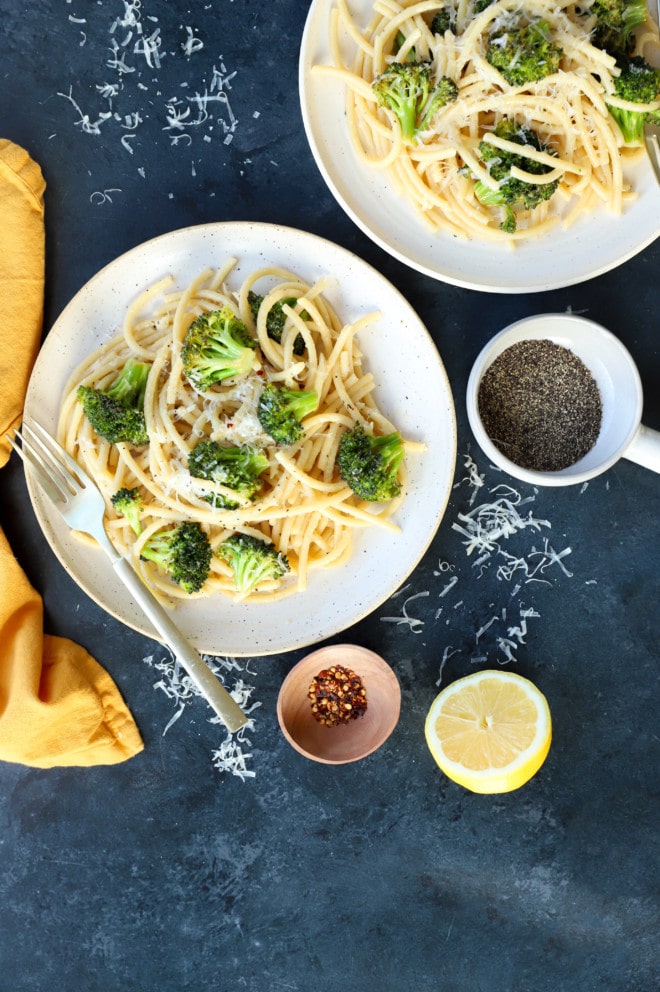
[(58, 706)]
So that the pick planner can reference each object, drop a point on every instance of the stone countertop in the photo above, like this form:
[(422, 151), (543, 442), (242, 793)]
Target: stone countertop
[(165, 873)]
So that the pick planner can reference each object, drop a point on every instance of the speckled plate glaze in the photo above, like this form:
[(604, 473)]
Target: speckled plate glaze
[(413, 390), (594, 245)]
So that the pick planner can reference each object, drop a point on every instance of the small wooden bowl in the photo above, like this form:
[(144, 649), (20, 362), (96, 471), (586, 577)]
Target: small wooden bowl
[(346, 742)]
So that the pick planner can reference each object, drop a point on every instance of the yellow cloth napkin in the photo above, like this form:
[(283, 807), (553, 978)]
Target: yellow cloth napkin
[(57, 705)]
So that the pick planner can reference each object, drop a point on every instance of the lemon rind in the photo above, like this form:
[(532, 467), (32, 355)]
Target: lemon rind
[(494, 780)]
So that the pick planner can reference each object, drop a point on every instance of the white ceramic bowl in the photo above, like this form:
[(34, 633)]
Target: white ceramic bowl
[(612, 366)]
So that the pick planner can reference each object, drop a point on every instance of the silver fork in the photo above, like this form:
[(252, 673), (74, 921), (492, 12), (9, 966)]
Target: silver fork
[(652, 131), (82, 506)]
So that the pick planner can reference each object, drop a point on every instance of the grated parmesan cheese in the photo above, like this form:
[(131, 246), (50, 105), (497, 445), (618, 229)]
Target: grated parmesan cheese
[(102, 196), (230, 757), (136, 45), (489, 523), (413, 623), (446, 655), (450, 585), (474, 479), (487, 529), (191, 44)]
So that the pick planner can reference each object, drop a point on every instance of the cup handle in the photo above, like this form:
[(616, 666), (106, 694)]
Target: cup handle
[(644, 448)]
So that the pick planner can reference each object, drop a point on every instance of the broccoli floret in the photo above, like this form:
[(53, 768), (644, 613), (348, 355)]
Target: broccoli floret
[(524, 54), (252, 561), (616, 21), (117, 413), (513, 192), (638, 82), (399, 40), (217, 346), (370, 464), (237, 467), (276, 319), (444, 20), (129, 503), (183, 551), (408, 89), (280, 411)]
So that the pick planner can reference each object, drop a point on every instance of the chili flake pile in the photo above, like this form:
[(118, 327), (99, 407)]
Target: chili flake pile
[(337, 696)]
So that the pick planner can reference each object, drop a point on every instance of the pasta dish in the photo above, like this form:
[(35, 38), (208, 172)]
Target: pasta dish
[(301, 505), (568, 157)]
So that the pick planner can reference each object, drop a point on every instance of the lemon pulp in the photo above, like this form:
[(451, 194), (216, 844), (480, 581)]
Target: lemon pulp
[(489, 732)]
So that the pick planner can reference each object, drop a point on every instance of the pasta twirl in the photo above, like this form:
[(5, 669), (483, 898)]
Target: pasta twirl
[(303, 507), (436, 172)]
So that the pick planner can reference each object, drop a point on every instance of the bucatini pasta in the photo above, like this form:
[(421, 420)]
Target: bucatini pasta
[(304, 507), (436, 173)]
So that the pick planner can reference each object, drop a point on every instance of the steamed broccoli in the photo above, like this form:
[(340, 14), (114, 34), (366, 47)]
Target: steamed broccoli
[(524, 54), (512, 192), (443, 20), (117, 413), (408, 89), (236, 467), (183, 551), (128, 503), (399, 40), (616, 21), (638, 82), (276, 319), (370, 464), (252, 561), (280, 411), (217, 346)]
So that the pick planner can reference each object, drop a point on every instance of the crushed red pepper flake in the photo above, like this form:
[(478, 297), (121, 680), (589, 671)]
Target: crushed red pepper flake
[(337, 696)]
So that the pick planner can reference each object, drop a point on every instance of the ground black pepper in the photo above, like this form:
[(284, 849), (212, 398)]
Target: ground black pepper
[(540, 405)]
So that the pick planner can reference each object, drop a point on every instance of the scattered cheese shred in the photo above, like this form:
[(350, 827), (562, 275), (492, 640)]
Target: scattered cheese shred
[(135, 55), (230, 757), (491, 531), (446, 655), (414, 623), (473, 478), (489, 523), (191, 44), (450, 585)]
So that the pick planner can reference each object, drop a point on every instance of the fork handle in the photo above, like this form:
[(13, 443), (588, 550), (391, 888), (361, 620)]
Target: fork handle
[(208, 684)]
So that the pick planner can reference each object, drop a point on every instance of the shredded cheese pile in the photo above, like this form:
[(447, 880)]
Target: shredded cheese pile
[(492, 528), (130, 87), (230, 757)]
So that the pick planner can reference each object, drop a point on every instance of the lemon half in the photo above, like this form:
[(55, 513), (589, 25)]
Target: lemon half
[(489, 732)]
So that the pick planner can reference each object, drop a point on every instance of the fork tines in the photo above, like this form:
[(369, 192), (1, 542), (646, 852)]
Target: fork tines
[(44, 456)]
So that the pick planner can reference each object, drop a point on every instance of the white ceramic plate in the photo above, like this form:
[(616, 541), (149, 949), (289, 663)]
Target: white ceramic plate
[(561, 258), (413, 391)]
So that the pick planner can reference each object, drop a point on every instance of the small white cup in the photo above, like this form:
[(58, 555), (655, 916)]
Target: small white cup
[(621, 435)]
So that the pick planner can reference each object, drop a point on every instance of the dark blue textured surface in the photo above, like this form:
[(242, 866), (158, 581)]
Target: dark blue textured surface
[(162, 874)]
